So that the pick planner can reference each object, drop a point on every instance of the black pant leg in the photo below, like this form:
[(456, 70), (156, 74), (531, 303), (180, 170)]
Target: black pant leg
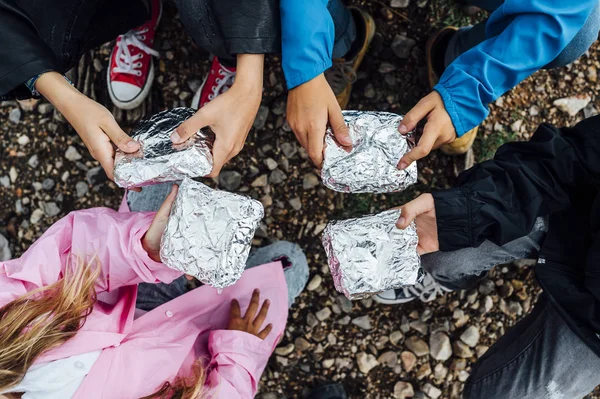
[(226, 28)]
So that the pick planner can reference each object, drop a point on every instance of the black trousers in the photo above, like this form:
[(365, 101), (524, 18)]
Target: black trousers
[(223, 27)]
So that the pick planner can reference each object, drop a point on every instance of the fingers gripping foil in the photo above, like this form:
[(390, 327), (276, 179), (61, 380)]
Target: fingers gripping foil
[(209, 233), (371, 165), (159, 160), (370, 254)]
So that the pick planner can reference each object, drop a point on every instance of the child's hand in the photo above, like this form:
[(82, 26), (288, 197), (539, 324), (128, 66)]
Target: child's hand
[(310, 107), (438, 130), (231, 114), (95, 124), (249, 323), (151, 240), (422, 210)]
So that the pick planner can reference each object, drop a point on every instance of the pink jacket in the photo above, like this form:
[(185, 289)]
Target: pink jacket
[(139, 355)]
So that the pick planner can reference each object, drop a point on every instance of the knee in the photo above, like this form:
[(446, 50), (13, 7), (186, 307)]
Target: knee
[(580, 43), (294, 254)]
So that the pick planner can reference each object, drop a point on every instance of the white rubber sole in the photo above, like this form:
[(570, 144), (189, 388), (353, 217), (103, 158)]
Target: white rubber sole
[(137, 100), (384, 301)]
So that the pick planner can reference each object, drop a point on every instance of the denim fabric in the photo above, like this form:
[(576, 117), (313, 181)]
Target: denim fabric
[(345, 28), (539, 358), (469, 37), (291, 256), (462, 269)]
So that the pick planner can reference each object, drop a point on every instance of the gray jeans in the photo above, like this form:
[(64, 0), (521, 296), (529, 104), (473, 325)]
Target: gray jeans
[(459, 270), (540, 357), (470, 37), (151, 296)]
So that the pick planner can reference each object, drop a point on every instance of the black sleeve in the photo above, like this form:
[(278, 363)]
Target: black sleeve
[(499, 200), (23, 53)]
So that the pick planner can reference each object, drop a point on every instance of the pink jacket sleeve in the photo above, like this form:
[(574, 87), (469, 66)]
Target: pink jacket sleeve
[(237, 362), (115, 238)]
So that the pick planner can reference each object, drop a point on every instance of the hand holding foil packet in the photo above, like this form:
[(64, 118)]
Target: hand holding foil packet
[(371, 165), (159, 160), (370, 254), (209, 233)]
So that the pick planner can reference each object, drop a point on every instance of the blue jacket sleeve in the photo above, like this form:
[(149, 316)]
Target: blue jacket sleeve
[(307, 36), (522, 37)]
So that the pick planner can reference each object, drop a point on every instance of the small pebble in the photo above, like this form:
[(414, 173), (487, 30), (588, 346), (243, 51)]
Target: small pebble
[(314, 283), (23, 140), (363, 322)]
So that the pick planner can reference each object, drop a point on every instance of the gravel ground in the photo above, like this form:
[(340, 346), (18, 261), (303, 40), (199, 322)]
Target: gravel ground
[(420, 350)]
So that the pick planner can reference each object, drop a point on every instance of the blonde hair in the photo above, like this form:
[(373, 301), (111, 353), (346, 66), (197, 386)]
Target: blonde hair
[(47, 317)]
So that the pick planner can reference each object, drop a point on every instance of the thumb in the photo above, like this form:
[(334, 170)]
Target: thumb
[(119, 137), (190, 127), (423, 148), (339, 127), (414, 208), (412, 117)]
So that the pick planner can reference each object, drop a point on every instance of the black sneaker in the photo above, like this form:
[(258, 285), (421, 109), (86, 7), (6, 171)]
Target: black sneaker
[(426, 291)]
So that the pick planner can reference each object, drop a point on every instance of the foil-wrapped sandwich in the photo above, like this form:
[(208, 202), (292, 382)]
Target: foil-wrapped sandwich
[(159, 160), (209, 233), (371, 165), (370, 254)]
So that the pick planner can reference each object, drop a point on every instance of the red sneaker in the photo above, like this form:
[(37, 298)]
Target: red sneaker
[(219, 79), (131, 70)]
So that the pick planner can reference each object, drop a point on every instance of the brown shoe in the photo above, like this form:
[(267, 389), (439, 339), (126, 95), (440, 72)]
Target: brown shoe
[(342, 74), (463, 143)]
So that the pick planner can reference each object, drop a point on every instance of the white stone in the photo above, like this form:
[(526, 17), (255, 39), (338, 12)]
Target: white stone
[(23, 140), (572, 105), (470, 336), (72, 154), (366, 362)]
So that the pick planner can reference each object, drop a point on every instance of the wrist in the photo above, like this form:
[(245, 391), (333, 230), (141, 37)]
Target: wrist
[(152, 253), (249, 74), (57, 90)]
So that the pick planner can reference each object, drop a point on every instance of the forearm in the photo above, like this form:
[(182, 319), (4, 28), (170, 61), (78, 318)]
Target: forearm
[(522, 37), (499, 200), (56, 89)]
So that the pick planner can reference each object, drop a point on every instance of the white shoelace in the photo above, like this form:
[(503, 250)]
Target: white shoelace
[(222, 84), (126, 63), (427, 291)]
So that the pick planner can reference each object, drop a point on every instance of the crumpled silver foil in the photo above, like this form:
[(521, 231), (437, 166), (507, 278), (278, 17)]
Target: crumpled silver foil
[(371, 165), (370, 254), (209, 233), (158, 159)]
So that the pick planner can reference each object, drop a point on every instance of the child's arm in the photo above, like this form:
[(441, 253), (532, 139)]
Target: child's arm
[(240, 353), (499, 200), (117, 240), (95, 124), (523, 37), (307, 36), (231, 114)]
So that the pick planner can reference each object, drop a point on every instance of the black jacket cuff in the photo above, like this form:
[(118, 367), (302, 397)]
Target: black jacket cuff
[(453, 219)]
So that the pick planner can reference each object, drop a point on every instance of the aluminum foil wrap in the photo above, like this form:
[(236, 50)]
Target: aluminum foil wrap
[(371, 165), (158, 159), (209, 233), (370, 254)]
